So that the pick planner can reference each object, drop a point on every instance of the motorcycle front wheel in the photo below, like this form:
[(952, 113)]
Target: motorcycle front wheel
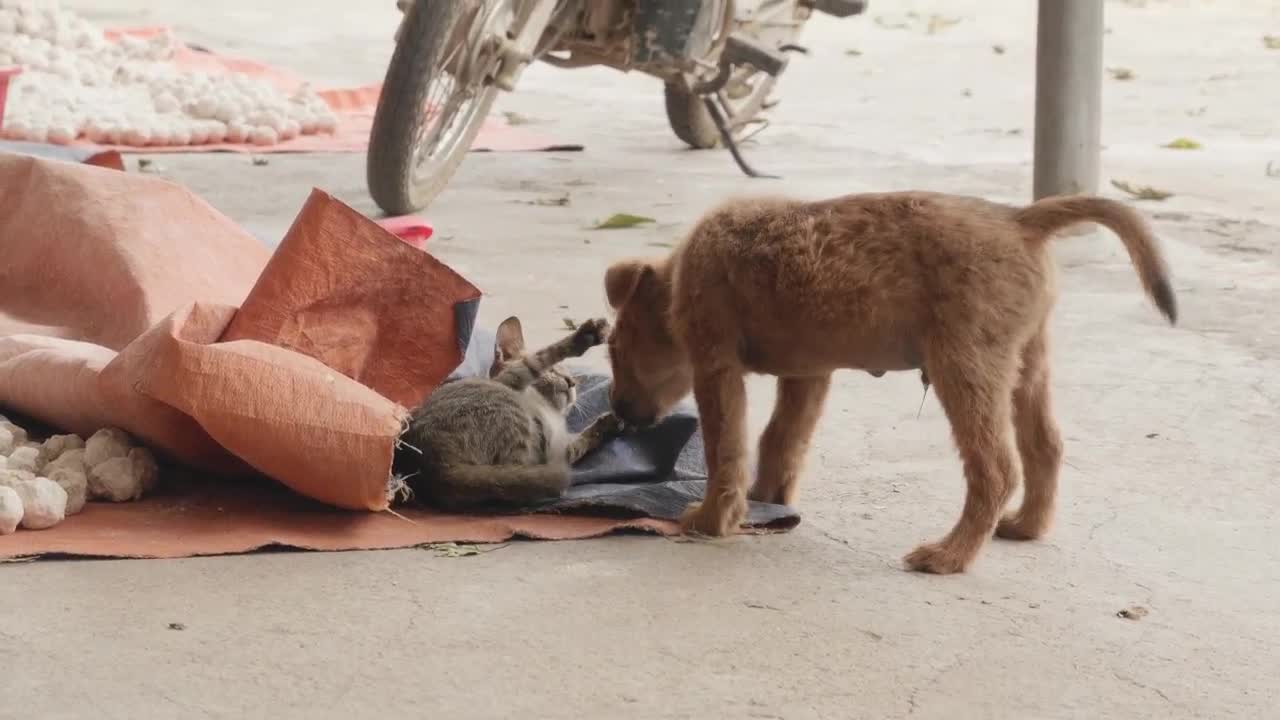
[(434, 99)]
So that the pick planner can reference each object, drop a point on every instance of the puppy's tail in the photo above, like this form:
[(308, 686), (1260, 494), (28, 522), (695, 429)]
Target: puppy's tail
[(1047, 216)]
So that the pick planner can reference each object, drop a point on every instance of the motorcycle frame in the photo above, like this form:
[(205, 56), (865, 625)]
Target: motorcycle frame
[(668, 39)]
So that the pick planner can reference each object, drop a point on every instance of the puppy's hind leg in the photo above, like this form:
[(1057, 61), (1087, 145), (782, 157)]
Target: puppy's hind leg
[(1039, 445), (976, 397), (785, 440)]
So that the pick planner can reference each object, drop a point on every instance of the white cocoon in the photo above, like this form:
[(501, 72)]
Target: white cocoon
[(61, 134), (72, 459), (44, 503), (117, 480), (10, 477), (56, 445), (136, 136), (167, 103), (105, 444), (24, 458), (145, 469), (19, 435), (11, 510), (76, 486), (89, 77), (263, 135)]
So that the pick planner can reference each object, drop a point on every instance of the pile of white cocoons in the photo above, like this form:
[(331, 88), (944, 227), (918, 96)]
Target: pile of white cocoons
[(75, 84), (43, 483)]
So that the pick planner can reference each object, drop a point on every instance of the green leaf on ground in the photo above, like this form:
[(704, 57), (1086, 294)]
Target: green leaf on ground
[(1271, 42), (1140, 192), (1182, 144), (1121, 73), (452, 550), (620, 221), (457, 550)]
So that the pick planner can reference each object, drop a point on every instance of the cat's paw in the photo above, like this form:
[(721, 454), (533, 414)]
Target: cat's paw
[(610, 425), (590, 334)]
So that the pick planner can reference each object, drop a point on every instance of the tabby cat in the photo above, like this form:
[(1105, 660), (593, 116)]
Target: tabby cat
[(503, 440)]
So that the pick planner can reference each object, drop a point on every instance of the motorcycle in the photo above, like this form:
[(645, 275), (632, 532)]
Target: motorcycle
[(718, 61)]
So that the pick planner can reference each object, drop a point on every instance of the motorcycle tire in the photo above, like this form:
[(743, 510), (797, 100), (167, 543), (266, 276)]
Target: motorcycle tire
[(689, 118), (691, 122), (687, 115), (392, 169)]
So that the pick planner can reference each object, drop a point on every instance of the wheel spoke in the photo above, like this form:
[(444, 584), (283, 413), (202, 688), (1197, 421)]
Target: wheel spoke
[(434, 99), (453, 97)]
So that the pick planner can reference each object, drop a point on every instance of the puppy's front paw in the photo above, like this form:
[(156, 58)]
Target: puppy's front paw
[(711, 521), (590, 334), (936, 559), (1018, 527)]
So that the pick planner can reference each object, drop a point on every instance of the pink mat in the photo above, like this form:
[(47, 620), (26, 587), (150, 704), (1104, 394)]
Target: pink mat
[(409, 228), (354, 107)]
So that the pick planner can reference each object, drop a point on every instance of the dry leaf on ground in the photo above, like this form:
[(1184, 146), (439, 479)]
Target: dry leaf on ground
[(1140, 192)]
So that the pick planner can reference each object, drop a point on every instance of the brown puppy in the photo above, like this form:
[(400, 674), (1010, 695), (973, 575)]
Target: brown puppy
[(957, 287)]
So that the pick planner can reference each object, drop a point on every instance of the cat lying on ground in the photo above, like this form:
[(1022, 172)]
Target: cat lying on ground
[(503, 440)]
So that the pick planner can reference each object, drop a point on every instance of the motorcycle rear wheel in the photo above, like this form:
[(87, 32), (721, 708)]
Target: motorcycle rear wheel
[(686, 113), (427, 117)]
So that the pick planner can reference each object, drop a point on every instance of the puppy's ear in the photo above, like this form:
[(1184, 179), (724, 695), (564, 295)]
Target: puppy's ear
[(510, 342), (622, 279)]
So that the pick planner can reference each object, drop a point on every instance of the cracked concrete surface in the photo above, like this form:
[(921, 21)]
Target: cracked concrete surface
[(1169, 492)]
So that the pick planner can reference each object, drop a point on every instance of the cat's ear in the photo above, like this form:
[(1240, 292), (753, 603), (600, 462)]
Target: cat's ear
[(510, 341), (623, 278)]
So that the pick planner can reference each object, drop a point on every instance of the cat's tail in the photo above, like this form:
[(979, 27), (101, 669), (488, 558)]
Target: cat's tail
[(463, 485)]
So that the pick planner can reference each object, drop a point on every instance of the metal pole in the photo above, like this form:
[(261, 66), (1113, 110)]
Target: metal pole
[(1068, 97)]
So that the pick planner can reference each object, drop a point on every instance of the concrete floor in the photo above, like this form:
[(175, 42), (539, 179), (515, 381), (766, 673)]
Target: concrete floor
[(1169, 493)]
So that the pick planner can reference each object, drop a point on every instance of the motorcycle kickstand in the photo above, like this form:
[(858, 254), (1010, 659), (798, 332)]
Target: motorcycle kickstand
[(726, 136), (738, 50)]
